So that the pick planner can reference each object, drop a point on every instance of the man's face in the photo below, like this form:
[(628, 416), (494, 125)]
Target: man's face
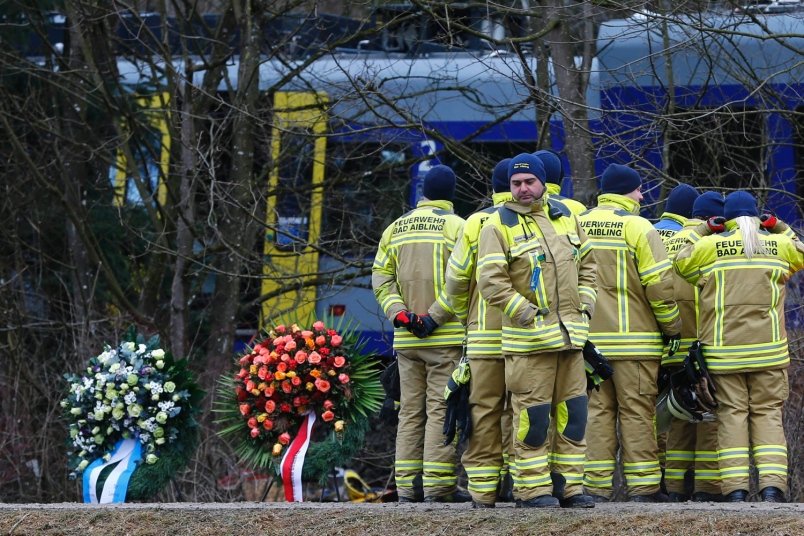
[(636, 195), (526, 188)]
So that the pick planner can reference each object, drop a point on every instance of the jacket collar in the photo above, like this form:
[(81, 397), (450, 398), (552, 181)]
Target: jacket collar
[(692, 222), (500, 198), (681, 220), (618, 201), (553, 189), (445, 205), (532, 208)]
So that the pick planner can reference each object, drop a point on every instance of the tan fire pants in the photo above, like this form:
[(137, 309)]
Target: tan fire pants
[(487, 454), (750, 413), (692, 447), (420, 449), (548, 390), (628, 398)]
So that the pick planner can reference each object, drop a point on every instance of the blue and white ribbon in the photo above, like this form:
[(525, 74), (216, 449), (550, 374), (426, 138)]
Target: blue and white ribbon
[(125, 454)]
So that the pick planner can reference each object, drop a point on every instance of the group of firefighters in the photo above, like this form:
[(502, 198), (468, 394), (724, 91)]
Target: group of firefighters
[(544, 332)]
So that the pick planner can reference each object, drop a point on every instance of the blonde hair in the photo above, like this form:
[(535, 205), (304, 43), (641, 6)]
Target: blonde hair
[(748, 228)]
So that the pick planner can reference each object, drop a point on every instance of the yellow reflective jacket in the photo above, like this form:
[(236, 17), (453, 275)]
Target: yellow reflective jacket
[(483, 323), (686, 295), (408, 271), (742, 325), (554, 192), (528, 260), (634, 279)]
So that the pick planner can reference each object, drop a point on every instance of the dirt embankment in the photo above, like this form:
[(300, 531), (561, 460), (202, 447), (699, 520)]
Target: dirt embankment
[(393, 519)]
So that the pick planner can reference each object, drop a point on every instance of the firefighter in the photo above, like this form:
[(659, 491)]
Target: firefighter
[(486, 457), (554, 168), (741, 273), (536, 266), (636, 314), (691, 468), (408, 281)]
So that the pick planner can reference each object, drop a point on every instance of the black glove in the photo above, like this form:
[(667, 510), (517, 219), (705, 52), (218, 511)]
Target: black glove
[(393, 392), (404, 319), (457, 395), (716, 224), (597, 367), (698, 374), (664, 378), (424, 326), (773, 225), (673, 343)]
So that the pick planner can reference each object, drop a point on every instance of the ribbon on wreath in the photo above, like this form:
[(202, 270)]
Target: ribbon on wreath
[(293, 460), (126, 454)]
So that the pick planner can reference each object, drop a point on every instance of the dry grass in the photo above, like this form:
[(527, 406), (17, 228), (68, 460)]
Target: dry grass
[(247, 518)]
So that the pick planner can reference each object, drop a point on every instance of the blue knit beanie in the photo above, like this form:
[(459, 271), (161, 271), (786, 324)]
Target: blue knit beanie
[(619, 179), (439, 184), (499, 179), (680, 200), (526, 163), (707, 205), (740, 204), (553, 166)]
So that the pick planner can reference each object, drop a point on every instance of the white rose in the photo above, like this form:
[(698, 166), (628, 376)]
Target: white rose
[(76, 411), (114, 367), (158, 353), (160, 364), (128, 346), (141, 349), (170, 387)]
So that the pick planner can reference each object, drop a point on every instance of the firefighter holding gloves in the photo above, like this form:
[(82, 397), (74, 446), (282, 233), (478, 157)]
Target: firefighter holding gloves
[(741, 267), (535, 264), (408, 282), (636, 317)]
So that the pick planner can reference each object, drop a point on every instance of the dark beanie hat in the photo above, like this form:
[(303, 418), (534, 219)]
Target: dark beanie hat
[(553, 166), (707, 205), (619, 179), (499, 179), (439, 184), (740, 204), (526, 163), (680, 200)]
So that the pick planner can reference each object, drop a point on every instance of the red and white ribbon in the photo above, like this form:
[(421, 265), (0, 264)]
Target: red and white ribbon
[(293, 460)]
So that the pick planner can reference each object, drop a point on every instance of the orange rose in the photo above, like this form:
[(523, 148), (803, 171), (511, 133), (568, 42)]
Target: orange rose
[(310, 343), (286, 386), (270, 406), (284, 438), (269, 392), (245, 409), (252, 423), (315, 373), (250, 386), (327, 415), (263, 372), (318, 326), (268, 424), (282, 367), (280, 328), (314, 358), (307, 334), (297, 381), (340, 361), (323, 385), (320, 340), (290, 346), (344, 378), (328, 404), (301, 357), (279, 375), (336, 340)]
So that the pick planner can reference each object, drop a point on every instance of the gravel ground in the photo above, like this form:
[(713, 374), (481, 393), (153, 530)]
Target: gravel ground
[(248, 518)]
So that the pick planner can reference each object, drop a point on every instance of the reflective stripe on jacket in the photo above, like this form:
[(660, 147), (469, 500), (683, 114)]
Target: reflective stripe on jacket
[(483, 323), (554, 192), (408, 271), (528, 261), (741, 300), (635, 281), (686, 295)]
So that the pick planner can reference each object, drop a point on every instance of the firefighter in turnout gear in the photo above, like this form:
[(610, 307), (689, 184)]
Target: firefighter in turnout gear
[(636, 312), (691, 447), (554, 168), (486, 456), (536, 265), (741, 273), (677, 210), (408, 282)]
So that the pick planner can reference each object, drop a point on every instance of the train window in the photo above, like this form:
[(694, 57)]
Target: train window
[(294, 192), (366, 189), (718, 148)]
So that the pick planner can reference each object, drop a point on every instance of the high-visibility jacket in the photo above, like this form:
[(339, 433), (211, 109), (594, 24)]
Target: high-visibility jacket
[(483, 323), (635, 282), (554, 192), (528, 260), (669, 224), (742, 326), (686, 295), (408, 271)]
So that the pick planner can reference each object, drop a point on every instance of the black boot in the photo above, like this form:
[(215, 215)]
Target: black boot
[(578, 501), (657, 497), (407, 500), (676, 497), (545, 501), (738, 495), (772, 494), (454, 497), (476, 504), (702, 496)]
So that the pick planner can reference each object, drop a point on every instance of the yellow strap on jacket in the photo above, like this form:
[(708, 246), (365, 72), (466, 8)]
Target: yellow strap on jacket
[(483, 323), (528, 261), (741, 303), (635, 281), (408, 271)]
